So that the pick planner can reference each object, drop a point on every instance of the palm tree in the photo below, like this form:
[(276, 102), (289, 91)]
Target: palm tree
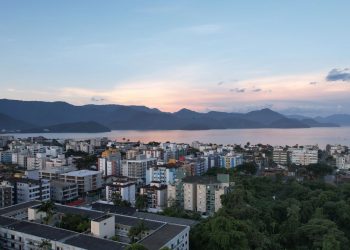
[(137, 231), (48, 208), (45, 245)]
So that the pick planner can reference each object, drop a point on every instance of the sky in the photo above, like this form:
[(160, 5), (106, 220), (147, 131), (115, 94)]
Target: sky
[(291, 56)]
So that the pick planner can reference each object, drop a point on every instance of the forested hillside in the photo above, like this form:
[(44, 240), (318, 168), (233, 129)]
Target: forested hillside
[(269, 213)]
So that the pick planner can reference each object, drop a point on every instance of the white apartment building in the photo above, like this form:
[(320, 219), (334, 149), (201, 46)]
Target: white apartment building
[(29, 190), (342, 161), (108, 167), (165, 174), (137, 168), (86, 180), (123, 187), (304, 156), (280, 156), (53, 173)]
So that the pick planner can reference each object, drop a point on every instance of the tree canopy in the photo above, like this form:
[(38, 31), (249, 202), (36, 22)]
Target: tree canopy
[(272, 213)]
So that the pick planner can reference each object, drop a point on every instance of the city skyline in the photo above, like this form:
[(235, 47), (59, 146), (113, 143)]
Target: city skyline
[(292, 57)]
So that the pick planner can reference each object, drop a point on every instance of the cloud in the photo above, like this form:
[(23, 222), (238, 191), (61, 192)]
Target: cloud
[(97, 99), (221, 83), (313, 83), (237, 90), (257, 90), (339, 75)]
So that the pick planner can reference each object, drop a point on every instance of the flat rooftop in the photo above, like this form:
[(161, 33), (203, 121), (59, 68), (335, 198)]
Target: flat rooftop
[(17, 207), (162, 236), (93, 243), (163, 231), (102, 218), (81, 173), (104, 207)]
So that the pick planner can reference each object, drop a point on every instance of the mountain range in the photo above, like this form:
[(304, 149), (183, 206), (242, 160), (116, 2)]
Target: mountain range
[(38, 116)]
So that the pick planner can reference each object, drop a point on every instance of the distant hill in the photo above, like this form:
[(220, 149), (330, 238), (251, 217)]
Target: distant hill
[(63, 117), (77, 127), (329, 121), (9, 123), (314, 123), (341, 119)]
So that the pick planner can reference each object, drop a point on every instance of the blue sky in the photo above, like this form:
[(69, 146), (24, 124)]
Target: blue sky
[(203, 55)]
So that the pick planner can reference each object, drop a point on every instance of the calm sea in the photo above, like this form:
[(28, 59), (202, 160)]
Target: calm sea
[(320, 136)]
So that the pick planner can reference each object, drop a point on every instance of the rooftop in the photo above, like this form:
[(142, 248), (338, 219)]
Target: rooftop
[(163, 231), (201, 179), (103, 217), (82, 173), (141, 215), (162, 236), (93, 243), (20, 206)]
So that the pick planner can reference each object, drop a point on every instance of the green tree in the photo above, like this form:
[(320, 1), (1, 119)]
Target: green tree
[(75, 222), (45, 245), (135, 233), (116, 199), (321, 234), (247, 168), (48, 208), (141, 202), (136, 246)]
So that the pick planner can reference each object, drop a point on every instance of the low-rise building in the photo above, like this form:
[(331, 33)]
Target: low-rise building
[(20, 228)]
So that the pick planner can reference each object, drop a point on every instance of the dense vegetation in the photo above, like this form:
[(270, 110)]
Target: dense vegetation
[(75, 222), (180, 212), (272, 213), (85, 161)]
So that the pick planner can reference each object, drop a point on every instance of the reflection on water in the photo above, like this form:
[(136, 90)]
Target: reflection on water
[(320, 136)]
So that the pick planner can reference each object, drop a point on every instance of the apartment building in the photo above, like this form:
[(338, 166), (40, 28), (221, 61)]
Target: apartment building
[(6, 198), (304, 155), (203, 193), (53, 173), (165, 174), (156, 196), (63, 192), (281, 156), (123, 187), (86, 180), (342, 161), (194, 166), (231, 160), (6, 157), (28, 189), (137, 168)]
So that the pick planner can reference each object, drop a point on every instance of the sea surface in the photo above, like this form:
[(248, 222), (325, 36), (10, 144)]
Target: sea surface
[(307, 136)]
